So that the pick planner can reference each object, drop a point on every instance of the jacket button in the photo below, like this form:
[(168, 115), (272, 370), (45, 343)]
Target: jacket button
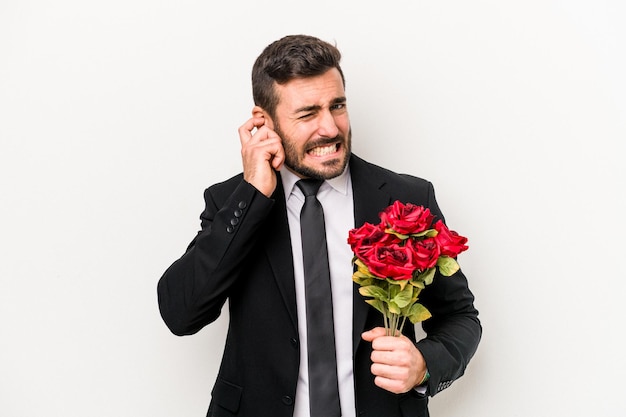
[(294, 342), (234, 221), (230, 229), (242, 205), (238, 213), (287, 400)]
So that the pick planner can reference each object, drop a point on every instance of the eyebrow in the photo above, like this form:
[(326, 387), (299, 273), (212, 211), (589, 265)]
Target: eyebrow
[(338, 100)]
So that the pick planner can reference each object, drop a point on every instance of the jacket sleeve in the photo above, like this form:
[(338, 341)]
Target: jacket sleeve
[(454, 330), (193, 289)]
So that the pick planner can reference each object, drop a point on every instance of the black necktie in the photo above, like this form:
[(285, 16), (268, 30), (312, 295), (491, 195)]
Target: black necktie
[(323, 385)]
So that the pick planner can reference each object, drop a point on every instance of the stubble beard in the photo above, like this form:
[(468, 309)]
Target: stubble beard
[(332, 168)]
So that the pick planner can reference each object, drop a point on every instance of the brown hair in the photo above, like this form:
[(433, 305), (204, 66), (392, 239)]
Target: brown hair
[(294, 56)]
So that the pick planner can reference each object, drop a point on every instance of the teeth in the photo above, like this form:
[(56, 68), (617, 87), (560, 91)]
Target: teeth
[(323, 150)]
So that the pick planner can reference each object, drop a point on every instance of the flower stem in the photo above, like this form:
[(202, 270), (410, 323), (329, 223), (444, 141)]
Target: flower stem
[(402, 325), (394, 320), (386, 318)]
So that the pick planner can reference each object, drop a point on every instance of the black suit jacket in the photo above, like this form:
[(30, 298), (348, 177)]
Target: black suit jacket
[(243, 254)]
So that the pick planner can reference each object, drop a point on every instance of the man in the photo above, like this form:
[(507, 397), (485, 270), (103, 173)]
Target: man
[(250, 251)]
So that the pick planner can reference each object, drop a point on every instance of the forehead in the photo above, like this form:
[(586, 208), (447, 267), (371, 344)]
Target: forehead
[(319, 90)]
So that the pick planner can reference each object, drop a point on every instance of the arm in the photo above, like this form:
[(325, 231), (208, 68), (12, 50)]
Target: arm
[(193, 290), (453, 332)]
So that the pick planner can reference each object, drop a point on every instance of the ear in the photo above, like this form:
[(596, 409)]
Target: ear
[(258, 112)]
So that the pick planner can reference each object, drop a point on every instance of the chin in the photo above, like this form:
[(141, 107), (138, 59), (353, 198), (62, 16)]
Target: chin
[(325, 171)]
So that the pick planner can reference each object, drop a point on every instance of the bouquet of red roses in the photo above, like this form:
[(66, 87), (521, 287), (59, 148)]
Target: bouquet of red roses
[(397, 258)]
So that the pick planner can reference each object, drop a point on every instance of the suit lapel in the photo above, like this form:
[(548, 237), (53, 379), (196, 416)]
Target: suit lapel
[(370, 199), (278, 250)]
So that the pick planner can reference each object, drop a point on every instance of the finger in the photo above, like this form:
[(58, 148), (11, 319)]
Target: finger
[(386, 357), (376, 332), (260, 151), (389, 343), (245, 130), (279, 157), (396, 379), (261, 137), (391, 385), (390, 372)]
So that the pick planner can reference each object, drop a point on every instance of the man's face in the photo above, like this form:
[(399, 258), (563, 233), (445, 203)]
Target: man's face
[(312, 120)]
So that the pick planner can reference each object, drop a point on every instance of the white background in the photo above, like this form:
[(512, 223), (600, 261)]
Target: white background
[(114, 117)]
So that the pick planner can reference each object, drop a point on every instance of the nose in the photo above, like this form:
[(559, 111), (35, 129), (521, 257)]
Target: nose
[(327, 127)]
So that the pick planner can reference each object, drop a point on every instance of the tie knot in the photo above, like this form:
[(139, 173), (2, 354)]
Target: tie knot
[(309, 186)]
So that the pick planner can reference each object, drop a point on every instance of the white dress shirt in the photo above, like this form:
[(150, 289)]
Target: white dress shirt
[(335, 195)]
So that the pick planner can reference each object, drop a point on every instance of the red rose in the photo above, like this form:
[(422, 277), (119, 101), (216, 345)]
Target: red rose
[(363, 239), (407, 219), (365, 235), (450, 242), (426, 252), (393, 261)]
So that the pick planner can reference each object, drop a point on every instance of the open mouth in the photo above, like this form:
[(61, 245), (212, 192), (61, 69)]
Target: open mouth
[(324, 150)]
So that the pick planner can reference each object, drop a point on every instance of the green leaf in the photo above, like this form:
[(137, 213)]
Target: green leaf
[(417, 283), (377, 304), (373, 291), (425, 233), (416, 292), (418, 313), (362, 274), (398, 235), (404, 297), (363, 281), (361, 267), (393, 308), (427, 276), (397, 283), (447, 266), (392, 288)]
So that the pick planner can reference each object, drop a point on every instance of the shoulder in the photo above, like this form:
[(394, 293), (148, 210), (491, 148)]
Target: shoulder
[(388, 178), (372, 183)]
